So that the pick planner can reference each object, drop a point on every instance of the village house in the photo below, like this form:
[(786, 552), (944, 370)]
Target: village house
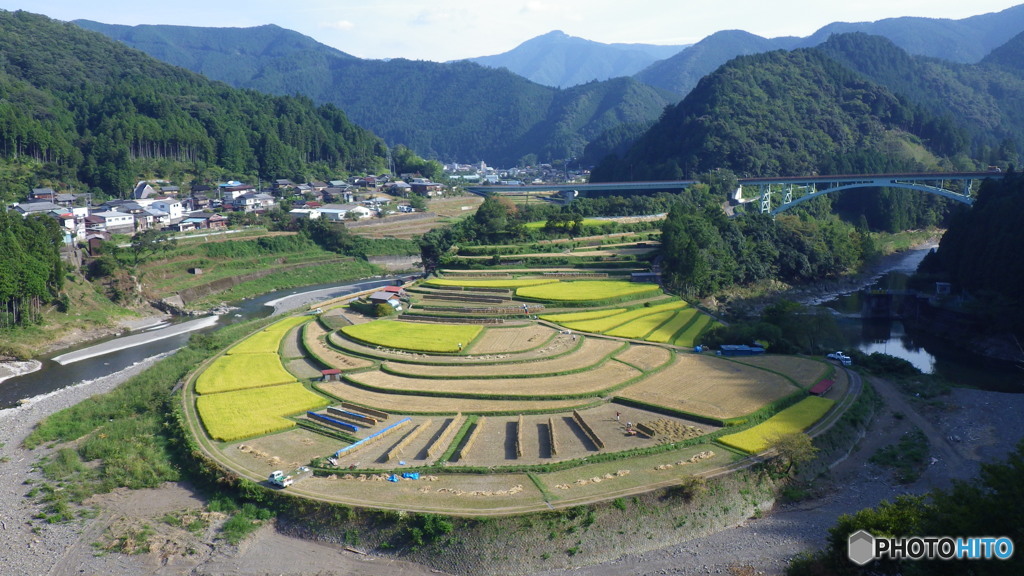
[(229, 191), (305, 213), (251, 202), (144, 190), (426, 187), (202, 221), (110, 221), (171, 206), (400, 189)]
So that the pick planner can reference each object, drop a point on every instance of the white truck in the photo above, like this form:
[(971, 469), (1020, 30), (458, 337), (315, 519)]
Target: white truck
[(840, 357), (281, 480)]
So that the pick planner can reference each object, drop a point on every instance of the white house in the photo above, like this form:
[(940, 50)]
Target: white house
[(305, 213), (253, 201), (171, 206), (115, 222), (359, 211)]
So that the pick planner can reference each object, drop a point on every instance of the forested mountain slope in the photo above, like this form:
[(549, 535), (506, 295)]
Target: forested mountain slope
[(455, 111), (966, 41), (784, 113), (979, 254), (984, 101), (77, 108)]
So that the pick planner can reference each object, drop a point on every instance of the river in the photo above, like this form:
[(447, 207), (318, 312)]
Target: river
[(928, 352), (158, 340)]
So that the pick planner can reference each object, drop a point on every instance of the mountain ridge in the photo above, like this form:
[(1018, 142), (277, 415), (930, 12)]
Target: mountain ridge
[(559, 60)]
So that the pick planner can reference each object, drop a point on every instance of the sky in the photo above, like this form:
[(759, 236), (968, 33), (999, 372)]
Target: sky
[(442, 30)]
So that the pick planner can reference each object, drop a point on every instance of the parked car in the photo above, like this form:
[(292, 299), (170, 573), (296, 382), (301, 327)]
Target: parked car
[(840, 357)]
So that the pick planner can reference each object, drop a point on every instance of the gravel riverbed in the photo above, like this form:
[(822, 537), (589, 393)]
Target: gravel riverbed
[(31, 546)]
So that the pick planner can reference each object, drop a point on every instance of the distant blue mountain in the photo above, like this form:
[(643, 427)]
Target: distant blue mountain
[(559, 60)]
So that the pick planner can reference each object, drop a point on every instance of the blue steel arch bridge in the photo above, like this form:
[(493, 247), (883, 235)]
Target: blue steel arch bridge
[(776, 194)]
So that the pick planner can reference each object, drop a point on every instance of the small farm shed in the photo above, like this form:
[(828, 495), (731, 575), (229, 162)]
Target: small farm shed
[(385, 297), (330, 374)]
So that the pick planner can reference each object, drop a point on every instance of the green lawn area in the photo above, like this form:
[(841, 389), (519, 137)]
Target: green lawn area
[(423, 337)]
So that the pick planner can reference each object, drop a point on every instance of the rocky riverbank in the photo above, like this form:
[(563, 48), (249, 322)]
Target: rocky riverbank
[(31, 546)]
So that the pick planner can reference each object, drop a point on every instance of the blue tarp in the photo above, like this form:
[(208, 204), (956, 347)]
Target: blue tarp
[(370, 437)]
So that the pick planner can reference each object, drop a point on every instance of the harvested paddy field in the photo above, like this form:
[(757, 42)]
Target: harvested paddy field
[(314, 338), (589, 354), (512, 339), (804, 371), (413, 404), (710, 386), (607, 375)]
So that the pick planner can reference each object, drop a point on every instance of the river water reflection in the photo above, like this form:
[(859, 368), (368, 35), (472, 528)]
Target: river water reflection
[(930, 353)]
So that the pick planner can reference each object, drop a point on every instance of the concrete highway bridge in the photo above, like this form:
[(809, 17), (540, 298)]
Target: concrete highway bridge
[(776, 194)]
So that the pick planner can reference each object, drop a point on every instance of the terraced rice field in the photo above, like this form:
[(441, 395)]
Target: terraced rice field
[(578, 316), (796, 418), (602, 325), (412, 404), (645, 357), (490, 282), (587, 290), (694, 330), (804, 371), (511, 339), (240, 371), (666, 332), (241, 414), (314, 339), (518, 375), (445, 338), (639, 329), (590, 353), (710, 386), (608, 375), (267, 340)]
